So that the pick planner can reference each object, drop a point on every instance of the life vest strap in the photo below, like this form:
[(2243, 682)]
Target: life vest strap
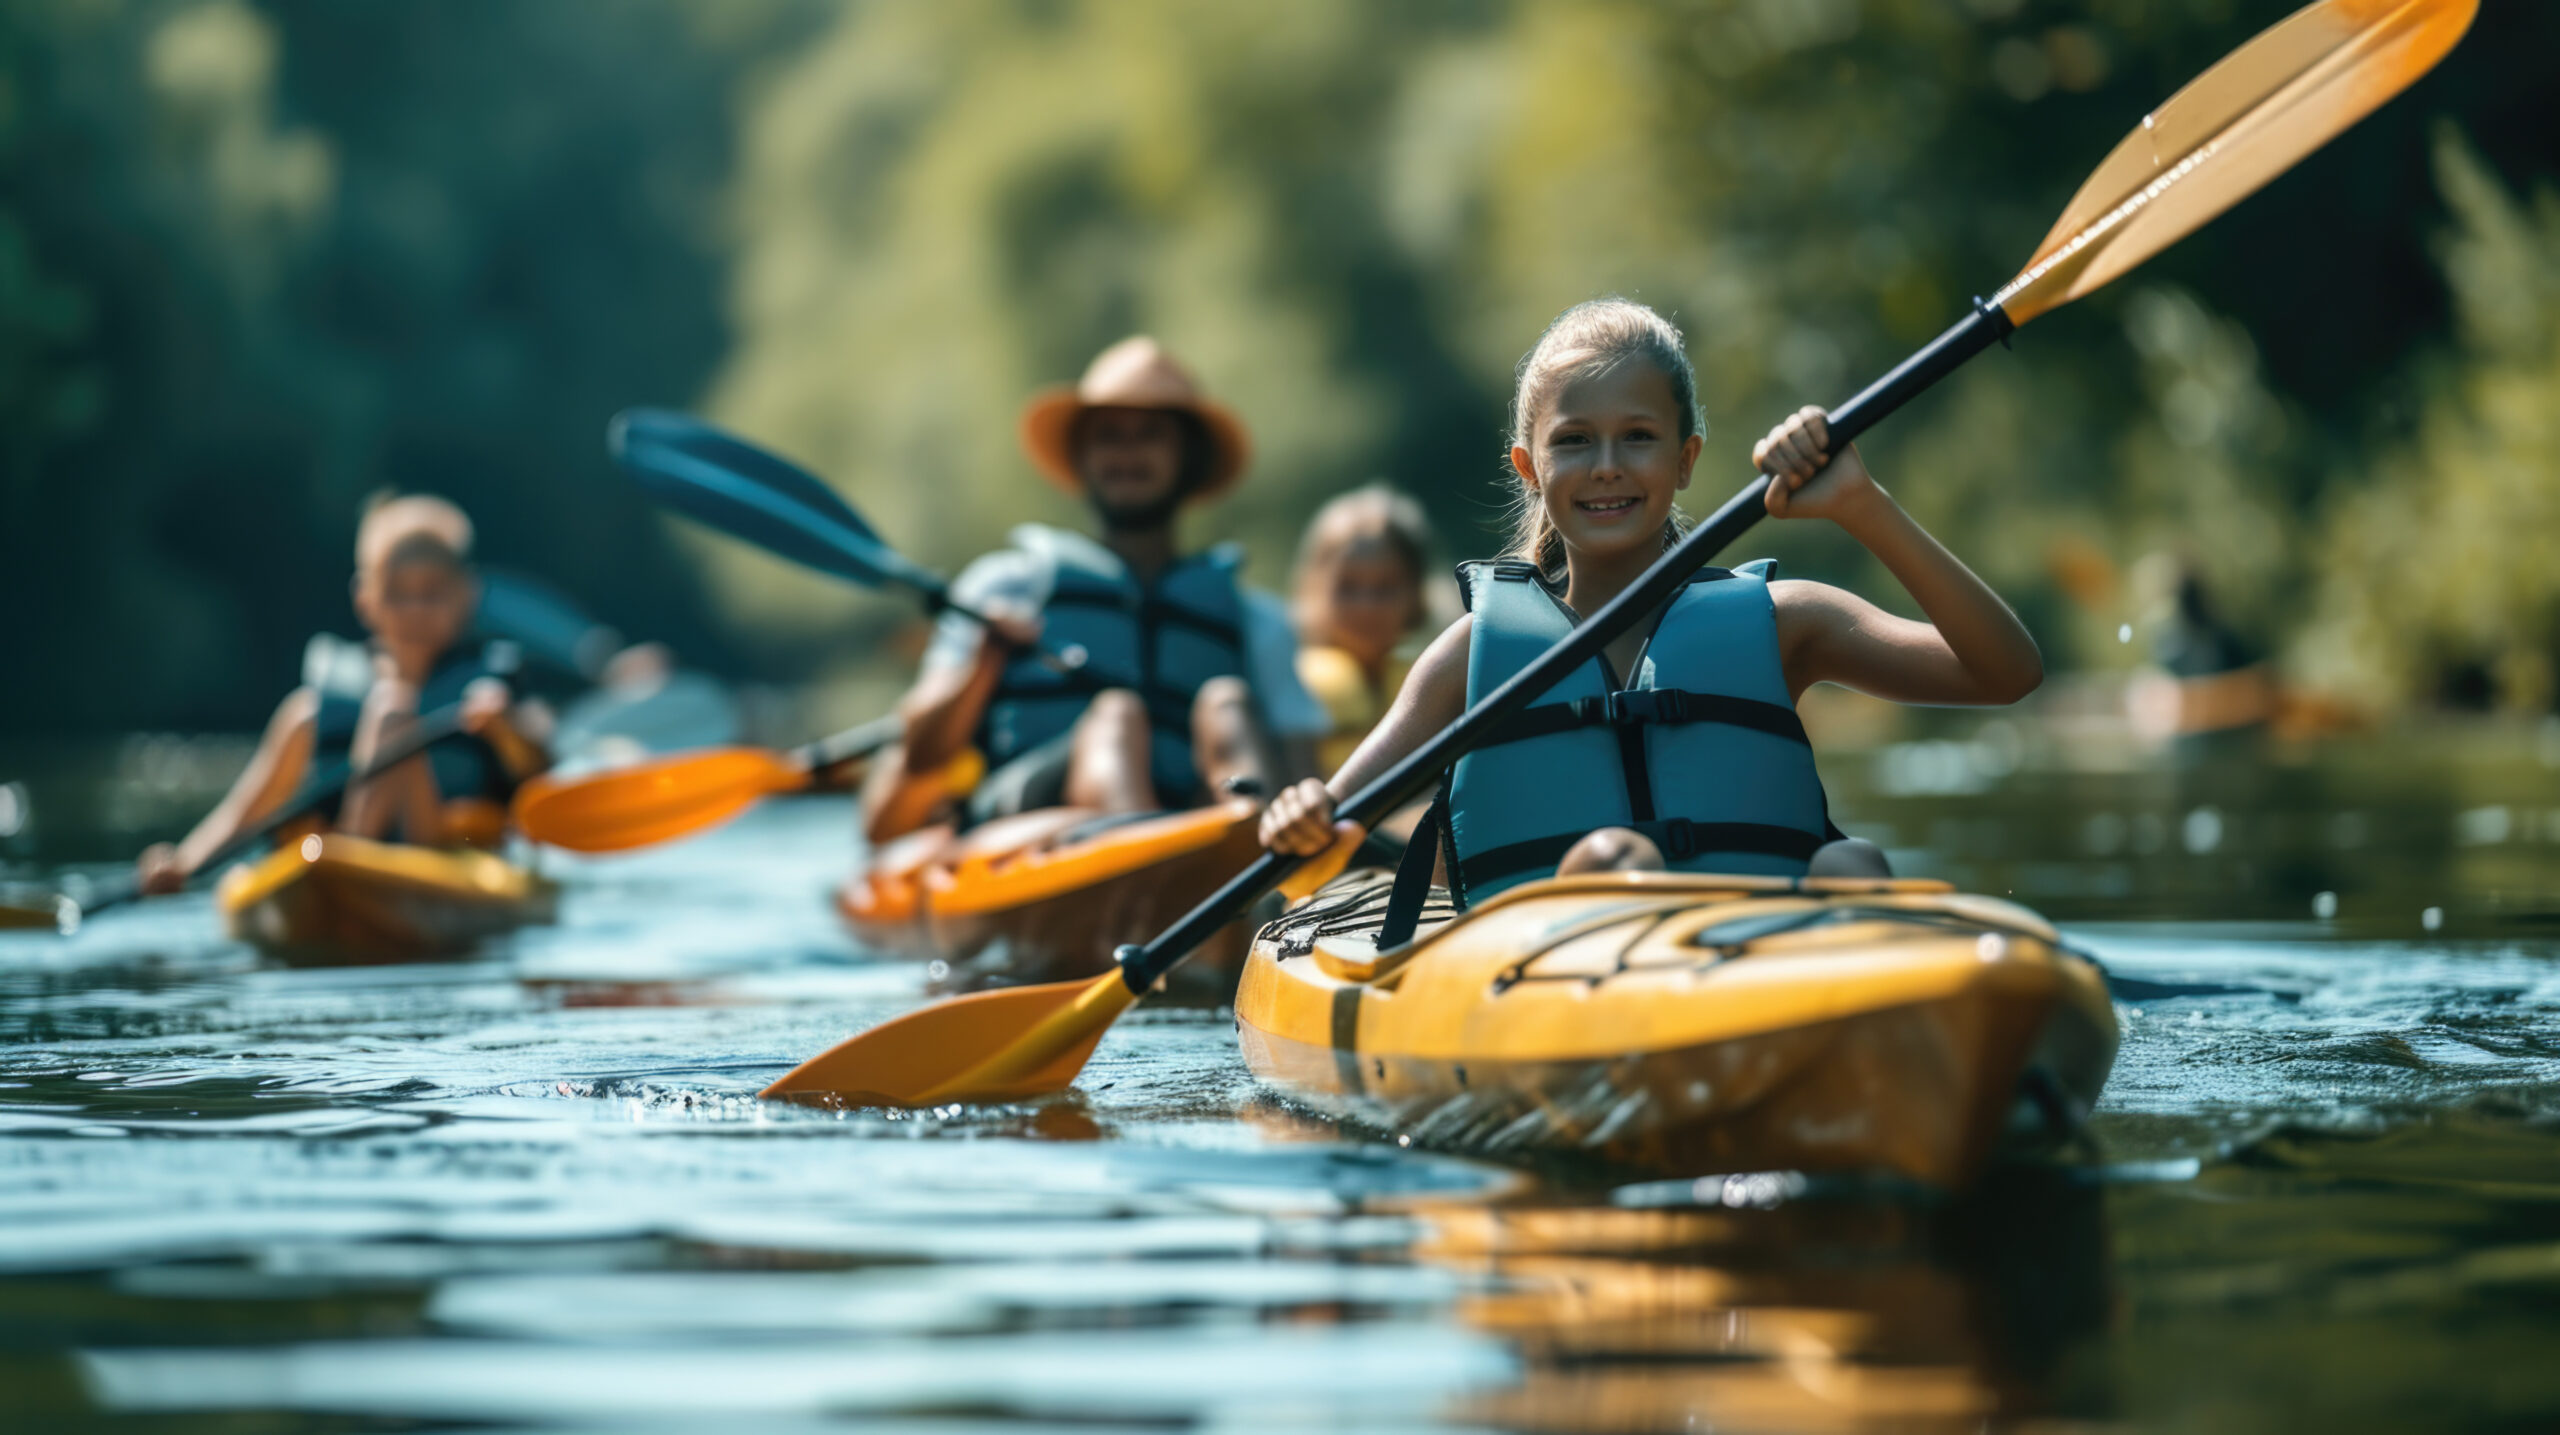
[(1638, 707), (1412, 888), (1679, 838)]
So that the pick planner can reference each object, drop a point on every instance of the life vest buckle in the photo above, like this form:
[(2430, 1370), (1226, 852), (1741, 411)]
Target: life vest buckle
[(1638, 706)]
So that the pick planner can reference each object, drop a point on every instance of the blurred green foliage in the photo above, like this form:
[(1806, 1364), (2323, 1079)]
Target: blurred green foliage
[(256, 259)]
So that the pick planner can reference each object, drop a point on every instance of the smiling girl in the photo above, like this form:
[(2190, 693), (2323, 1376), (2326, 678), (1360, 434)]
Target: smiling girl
[(1678, 747)]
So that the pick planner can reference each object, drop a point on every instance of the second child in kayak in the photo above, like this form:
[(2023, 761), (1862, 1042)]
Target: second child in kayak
[(1678, 747), (416, 592), (1188, 691), (1358, 592)]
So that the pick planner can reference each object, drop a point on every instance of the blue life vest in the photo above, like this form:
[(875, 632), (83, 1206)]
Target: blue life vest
[(1162, 640), (1702, 751), (463, 766)]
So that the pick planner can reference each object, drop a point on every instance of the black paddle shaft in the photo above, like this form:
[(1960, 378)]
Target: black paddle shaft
[(851, 743), (1141, 966)]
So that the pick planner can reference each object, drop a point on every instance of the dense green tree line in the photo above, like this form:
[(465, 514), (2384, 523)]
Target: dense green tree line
[(258, 259)]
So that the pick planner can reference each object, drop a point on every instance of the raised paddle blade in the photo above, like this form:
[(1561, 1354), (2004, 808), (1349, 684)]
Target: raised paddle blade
[(652, 802), (544, 622), (2231, 130), (988, 1046), (684, 431), (739, 489)]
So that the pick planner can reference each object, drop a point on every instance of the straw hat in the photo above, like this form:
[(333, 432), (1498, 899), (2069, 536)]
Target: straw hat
[(1135, 373)]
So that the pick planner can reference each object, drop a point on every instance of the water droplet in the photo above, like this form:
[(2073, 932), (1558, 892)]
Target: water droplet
[(2124, 632), (2432, 919), (2202, 831), (2324, 905), (1991, 947)]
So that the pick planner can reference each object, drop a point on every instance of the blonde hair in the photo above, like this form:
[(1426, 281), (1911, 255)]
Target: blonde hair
[(1592, 338), (1371, 511), (411, 524)]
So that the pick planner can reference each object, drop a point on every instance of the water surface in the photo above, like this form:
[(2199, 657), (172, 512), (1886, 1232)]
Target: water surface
[(533, 1190)]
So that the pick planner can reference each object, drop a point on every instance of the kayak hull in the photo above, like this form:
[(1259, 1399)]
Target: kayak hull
[(1049, 896), (335, 900), (1690, 1026)]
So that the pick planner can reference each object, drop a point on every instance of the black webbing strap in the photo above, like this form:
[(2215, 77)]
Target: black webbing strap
[(1636, 708), (1637, 772), (1413, 878), (1679, 838)]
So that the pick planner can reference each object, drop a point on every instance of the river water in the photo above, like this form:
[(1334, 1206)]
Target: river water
[(533, 1190)]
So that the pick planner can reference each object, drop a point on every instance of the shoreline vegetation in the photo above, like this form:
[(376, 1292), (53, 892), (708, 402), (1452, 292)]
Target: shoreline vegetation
[(258, 260)]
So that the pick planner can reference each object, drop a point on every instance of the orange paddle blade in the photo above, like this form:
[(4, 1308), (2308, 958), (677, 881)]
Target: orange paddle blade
[(15, 916), (653, 801), (988, 1046), (2232, 129)]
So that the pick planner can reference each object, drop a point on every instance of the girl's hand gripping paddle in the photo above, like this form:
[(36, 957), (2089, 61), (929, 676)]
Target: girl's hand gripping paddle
[(2238, 125)]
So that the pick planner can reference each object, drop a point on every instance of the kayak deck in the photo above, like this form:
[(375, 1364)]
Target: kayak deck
[(1049, 895), (332, 899), (1689, 1025)]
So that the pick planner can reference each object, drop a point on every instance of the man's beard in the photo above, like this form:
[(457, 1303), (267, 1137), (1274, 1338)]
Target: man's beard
[(1147, 517)]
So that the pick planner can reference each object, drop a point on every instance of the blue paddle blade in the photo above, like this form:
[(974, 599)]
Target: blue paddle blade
[(729, 484), (544, 622), (788, 479)]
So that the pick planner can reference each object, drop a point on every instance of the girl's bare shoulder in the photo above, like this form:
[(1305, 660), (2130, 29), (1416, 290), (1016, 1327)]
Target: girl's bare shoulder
[(1450, 647), (1809, 611), (1804, 599), (1442, 667)]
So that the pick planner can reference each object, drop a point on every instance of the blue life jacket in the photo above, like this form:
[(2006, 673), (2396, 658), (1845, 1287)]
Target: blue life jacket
[(1702, 751), (1162, 640), (463, 766)]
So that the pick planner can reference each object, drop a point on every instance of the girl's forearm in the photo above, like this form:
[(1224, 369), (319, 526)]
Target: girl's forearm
[(1434, 696), (1979, 629)]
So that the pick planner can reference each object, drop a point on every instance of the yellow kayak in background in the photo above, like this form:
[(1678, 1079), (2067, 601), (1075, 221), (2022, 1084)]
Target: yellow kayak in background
[(1689, 1025), (331, 899)]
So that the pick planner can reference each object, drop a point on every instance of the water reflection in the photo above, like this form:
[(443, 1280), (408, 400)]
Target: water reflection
[(1841, 1314), (533, 1189)]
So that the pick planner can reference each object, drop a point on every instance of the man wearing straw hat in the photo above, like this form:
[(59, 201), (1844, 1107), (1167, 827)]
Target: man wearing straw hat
[(1188, 679)]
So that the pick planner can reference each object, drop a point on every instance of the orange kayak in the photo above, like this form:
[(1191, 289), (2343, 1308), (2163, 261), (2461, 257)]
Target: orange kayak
[(1048, 895), (1689, 1025), (331, 899)]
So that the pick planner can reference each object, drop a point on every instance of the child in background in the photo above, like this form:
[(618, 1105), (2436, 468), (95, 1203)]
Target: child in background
[(1356, 595), (1678, 746), (416, 593)]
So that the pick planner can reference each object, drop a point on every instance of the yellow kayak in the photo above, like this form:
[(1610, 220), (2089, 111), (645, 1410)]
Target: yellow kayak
[(331, 899), (1689, 1025), (1049, 895)]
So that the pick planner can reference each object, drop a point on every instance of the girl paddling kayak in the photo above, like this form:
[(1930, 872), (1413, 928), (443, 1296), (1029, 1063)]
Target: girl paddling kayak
[(1678, 747)]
